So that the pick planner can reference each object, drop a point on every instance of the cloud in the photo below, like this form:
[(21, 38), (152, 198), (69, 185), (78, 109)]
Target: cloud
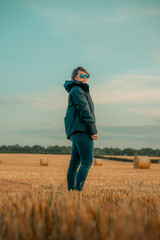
[(155, 112), (62, 19), (130, 136), (148, 134), (51, 99), (128, 88), (141, 131), (119, 89), (50, 133), (11, 100)]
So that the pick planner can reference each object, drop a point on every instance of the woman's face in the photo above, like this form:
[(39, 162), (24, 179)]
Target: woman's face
[(78, 78)]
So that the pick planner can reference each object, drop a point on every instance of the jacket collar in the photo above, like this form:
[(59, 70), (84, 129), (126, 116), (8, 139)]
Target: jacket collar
[(69, 84)]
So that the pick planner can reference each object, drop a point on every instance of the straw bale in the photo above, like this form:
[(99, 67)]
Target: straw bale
[(141, 162), (3, 161), (98, 162), (44, 162)]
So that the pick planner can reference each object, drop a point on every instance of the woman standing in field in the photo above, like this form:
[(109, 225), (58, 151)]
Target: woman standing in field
[(80, 128)]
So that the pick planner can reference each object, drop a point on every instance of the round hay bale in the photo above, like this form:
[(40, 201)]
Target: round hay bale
[(141, 162), (3, 161), (98, 162), (43, 162)]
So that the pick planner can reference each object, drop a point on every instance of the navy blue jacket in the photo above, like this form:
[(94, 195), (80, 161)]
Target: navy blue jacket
[(80, 112)]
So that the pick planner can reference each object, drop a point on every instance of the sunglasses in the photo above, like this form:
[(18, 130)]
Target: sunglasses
[(86, 75)]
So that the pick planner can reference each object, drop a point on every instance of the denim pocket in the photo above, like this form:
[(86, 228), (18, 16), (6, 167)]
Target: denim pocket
[(72, 137)]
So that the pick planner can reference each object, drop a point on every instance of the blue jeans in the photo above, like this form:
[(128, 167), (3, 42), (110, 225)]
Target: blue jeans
[(82, 153)]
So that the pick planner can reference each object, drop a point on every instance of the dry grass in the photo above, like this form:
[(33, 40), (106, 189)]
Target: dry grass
[(2, 161), (117, 202)]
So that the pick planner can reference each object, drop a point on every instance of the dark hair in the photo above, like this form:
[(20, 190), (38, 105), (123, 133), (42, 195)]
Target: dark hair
[(75, 72)]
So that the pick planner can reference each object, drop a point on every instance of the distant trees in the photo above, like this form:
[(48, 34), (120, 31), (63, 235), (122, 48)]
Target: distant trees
[(67, 150), (35, 149), (27, 149), (129, 152)]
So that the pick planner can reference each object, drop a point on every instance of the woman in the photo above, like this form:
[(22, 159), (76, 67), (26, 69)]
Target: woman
[(80, 128)]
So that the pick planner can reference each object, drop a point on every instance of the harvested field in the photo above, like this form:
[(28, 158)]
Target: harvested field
[(127, 157), (117, 201)]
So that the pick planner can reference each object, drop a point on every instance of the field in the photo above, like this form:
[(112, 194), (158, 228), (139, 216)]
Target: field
[(117, 201), (127, 157)]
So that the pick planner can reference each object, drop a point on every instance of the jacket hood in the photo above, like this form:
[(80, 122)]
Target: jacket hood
[(70, 83)]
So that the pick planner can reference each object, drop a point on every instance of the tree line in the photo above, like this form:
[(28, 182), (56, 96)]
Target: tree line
[(67, 150)]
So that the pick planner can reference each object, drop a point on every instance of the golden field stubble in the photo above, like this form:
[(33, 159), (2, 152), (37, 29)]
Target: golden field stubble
[(117, 202)]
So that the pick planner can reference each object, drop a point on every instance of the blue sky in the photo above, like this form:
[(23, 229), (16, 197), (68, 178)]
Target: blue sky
[(41, 42)]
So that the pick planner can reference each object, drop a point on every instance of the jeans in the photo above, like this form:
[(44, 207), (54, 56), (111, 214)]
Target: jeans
[(82, 155)]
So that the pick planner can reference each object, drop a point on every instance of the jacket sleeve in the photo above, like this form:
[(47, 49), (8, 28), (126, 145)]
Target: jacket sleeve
[(83, 108)]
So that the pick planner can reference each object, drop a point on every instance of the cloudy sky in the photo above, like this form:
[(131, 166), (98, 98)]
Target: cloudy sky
[(118, 42)]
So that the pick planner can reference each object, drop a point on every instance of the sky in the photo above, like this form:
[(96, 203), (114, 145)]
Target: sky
[(42, 42)]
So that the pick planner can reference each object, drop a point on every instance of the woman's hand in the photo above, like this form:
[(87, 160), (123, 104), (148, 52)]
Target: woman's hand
[(94, 137)]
